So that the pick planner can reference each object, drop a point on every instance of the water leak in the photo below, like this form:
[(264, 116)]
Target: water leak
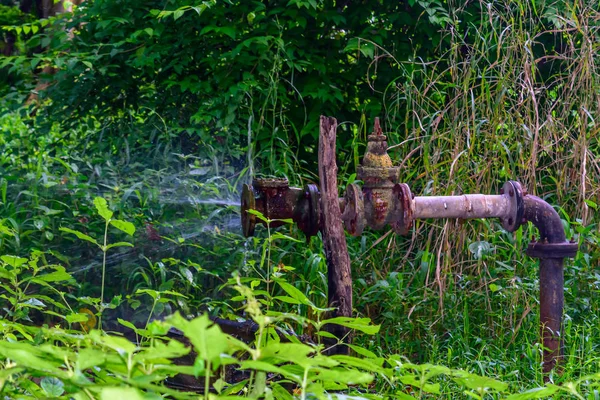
[(194, 201)]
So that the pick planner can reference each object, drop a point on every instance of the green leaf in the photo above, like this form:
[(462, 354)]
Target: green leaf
[(258, 215), (403, 396), (535, 393), (124, 226), (80, 235), (591, 204), (359, 324), (118, 244), (90, 357), (278, 235), (177, 14), (268, 367), (127, 324), (294, 292), (102, 208), (59, 274), (76, 317), (416, 382), (208, 339), (29, 356), (53, 387), (287, 299), (119, 344), (477, 383), (112, 393), (13, 261)]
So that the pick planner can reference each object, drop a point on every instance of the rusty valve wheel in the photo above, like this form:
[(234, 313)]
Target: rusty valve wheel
[(354, 210)]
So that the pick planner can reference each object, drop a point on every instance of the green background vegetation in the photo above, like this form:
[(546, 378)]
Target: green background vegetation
[(118, 185)]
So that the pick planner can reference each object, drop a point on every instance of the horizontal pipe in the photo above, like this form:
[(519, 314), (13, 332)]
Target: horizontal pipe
[(465, 206)]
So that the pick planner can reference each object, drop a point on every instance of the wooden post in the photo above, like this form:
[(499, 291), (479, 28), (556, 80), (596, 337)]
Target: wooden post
[(334, 239)]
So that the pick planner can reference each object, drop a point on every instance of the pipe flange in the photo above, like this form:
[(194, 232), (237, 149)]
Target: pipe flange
[(552, 250), (312, 225), (403, 212), (513, 191), (248, 202), (354, 210)]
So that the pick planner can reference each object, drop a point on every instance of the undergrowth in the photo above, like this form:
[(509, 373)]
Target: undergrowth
[(121, 260)]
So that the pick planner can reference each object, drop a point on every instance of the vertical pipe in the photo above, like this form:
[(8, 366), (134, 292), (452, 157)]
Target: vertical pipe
[(551, 309), (552, 232)]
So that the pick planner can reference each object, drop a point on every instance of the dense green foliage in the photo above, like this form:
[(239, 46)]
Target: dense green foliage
[(119, 183)]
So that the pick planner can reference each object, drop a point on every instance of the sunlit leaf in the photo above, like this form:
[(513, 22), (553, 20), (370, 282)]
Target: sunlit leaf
[(102, 208), (13, 261), (359, 324), (124, 226)]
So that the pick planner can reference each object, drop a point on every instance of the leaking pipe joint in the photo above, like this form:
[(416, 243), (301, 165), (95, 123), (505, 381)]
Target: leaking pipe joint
[(276, 201)]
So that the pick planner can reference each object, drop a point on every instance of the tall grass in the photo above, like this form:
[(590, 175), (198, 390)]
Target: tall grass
[(512, 96)]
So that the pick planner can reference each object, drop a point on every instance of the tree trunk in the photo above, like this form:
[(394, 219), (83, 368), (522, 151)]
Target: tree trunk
[(334, 239)]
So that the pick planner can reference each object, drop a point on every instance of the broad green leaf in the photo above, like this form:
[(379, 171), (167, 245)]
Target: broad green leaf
[(13, 261), (80, 235), (127, 324), (359, 324), (365, 364), (362, 351), (258, 215), (118, 244), (278, 235), (90, 357), (294, 292), (29, 356), (287, 299), (119, 344), (403, 396), (297, 353), (113, 393), (535, 393), (102, 208), (477, 382), (416, 382), (345, 376), (53, 387), (4, 230), (60, 274), (177, 14), (269, 367), (160, 352), (76, 317), (124, 226), (207, 337)]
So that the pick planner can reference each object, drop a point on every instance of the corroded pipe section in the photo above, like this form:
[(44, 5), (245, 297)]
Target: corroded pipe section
[(551, 248), (466, 206), (275, 201)]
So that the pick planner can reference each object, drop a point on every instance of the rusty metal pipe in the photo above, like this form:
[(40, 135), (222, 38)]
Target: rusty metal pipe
[(551, 249), (466, 206)]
